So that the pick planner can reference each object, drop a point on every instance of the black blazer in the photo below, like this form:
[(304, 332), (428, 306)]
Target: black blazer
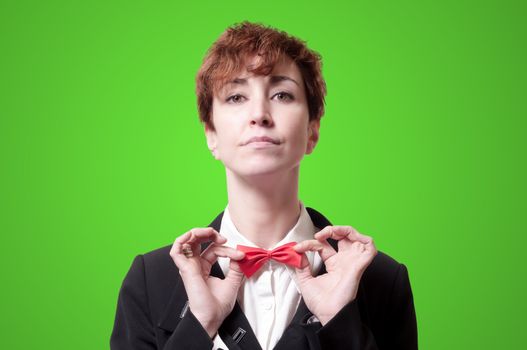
[(152, 310)]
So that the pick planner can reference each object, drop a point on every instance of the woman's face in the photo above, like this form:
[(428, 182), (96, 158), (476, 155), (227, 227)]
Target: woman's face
[(272, 108)]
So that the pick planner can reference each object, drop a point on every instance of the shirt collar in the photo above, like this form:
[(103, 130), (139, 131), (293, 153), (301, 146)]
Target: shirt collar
[(303, 230)]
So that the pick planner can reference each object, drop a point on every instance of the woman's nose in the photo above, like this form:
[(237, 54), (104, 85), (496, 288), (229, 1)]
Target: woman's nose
[(261, 114)]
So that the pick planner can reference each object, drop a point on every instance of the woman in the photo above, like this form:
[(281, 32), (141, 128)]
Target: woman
[(267, 272)]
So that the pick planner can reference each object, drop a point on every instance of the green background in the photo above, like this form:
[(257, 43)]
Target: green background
[(103, 157)]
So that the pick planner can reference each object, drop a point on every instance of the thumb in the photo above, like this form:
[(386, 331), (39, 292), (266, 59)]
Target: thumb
[(235, 274), (304, 271)]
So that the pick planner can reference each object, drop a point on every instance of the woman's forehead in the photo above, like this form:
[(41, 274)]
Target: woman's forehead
[(283, 70)]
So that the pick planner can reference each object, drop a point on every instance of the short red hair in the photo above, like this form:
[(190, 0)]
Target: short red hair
[(243, 40)]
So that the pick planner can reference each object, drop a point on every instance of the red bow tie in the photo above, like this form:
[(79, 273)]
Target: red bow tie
[(256, 257)]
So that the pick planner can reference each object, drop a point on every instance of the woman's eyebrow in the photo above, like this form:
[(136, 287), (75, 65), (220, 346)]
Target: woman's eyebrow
[(237, 81), (275, 79)]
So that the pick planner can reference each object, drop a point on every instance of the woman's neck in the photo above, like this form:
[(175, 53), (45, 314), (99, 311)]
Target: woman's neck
[(264, 208)]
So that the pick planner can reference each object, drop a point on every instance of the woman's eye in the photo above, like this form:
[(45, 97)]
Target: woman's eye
[(235, 98), (284, 96)]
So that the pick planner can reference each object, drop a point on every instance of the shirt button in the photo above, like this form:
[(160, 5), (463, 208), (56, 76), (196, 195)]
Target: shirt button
[(312, 319), (267, 306)]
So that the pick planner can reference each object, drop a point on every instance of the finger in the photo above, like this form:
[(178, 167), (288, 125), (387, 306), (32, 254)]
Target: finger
[(214, 251), (184, 264), (235, 275), (358, 247), (176, 252), (200, 235), (178, 255), (183, 238), (192, 238), (323, 248), (341, 232), (196, 236), (371, 248), (303, 273)]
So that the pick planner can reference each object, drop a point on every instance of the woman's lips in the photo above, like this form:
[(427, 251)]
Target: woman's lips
[(260, 144), (262, 140)]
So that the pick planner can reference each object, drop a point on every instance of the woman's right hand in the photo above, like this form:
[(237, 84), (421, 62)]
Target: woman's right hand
[(211, 299)]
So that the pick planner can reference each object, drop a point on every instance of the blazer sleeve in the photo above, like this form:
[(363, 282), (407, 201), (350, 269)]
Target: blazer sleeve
[(133, 327), (347, 331)]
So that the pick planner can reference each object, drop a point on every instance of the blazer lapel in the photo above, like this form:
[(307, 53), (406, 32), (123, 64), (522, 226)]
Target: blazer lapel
[(235, 331)]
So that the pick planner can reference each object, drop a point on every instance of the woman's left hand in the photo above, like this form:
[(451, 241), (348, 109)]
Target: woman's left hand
[(327, 294)]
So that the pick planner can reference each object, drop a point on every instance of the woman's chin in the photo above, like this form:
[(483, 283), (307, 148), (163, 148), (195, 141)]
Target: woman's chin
[(263, 169)]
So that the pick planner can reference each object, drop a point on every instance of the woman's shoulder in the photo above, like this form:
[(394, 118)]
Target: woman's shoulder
[(159, 260), (383, 270), (384, 284)]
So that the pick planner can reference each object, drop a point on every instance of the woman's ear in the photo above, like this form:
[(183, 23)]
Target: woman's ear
[(212, 141), (313, 135)]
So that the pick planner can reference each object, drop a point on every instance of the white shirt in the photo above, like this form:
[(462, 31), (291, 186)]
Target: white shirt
[(270, 297)]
